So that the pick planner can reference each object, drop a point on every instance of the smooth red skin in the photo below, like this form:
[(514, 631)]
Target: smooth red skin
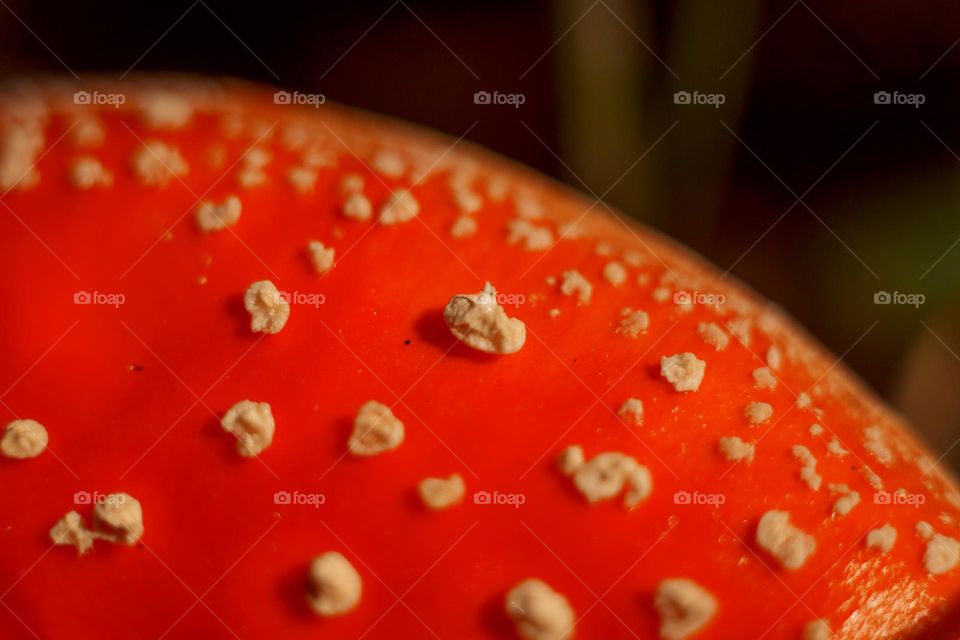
[(212, 529)]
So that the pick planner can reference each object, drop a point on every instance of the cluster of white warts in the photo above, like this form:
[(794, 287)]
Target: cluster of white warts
[(480, 323)]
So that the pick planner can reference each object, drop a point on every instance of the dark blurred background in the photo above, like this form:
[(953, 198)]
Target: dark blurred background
[(799, 183)]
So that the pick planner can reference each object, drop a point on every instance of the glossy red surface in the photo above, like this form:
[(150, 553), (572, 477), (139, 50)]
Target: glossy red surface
[(132, 396)]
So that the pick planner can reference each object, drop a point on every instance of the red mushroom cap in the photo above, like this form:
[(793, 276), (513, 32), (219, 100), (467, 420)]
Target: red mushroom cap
[(127, 335)]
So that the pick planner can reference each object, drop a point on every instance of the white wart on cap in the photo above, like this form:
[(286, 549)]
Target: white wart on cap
[(70, 530), (478, 321), (684, 607), (785, 542), (321, 256), (156, 163), (607, 475), (539, 612), (399, 207), (215, 217), (941, 555), (442, 493), (375, 430), (882, 538), (253, 425), (119, 518), (87, 172), (23, 439), (684, 371), (333, 586), (268, 308)]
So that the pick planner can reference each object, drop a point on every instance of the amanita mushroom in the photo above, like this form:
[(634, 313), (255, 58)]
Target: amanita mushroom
[(128, 337)]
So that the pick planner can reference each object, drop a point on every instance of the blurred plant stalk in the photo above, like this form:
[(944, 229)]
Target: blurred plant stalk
[(617, 99)]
